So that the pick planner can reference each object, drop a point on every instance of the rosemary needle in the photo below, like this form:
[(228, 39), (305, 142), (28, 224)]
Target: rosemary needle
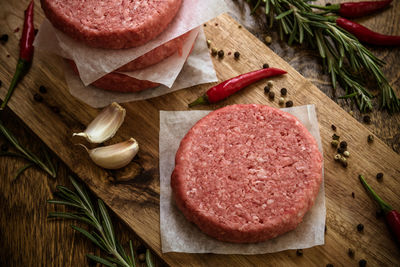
[(102, 233), (346, 60)]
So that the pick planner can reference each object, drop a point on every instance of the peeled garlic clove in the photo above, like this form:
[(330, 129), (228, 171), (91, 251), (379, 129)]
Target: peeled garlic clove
[(114, 156), (105, 125)]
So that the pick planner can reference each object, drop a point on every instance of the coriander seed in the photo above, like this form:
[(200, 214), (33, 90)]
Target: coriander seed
[(281, 101), (370, 138), (335, 137), (335, 143), (346, 154), (270, 83), (214, 51), (268, 39), (337, 157), (208, 43)]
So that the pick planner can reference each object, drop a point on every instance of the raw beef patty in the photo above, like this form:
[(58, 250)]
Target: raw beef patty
[(111, 24), (246, 173)]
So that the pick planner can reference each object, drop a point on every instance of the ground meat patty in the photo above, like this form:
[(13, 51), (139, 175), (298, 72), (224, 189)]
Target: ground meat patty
[(156, 55), (246, 173), (118, 82), (111, 24)]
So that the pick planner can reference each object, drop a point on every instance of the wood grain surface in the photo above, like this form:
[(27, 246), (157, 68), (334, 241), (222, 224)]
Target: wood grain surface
[(139, 198)]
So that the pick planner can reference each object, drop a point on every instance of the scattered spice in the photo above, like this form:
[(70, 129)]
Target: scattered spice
[(370, 138), (208, 43), (335, 143), (360, 227), (351, 252), (271, 95), (346, 154), (265, 65), (221, 53), (270, 83), (266, 89), (340, 150), (333, 127), (353, 195), (335, 137), (205, 25), (367, 119), (281, 101), (231, 86), (289, 104), (299, 252), (42, 89), (55, 109), (16, 29), (216, 24), (379, 214), (362, 263), (329, 265), (8, 55), (268, 39), (4, 147), (379, 176), (240, 26), (236, 55), (142, 257), (351, 113), (3, 38), (283, 91), (337, 157), (214, 51), (343, 161), (229, 53), (38, 97), (343, 144)]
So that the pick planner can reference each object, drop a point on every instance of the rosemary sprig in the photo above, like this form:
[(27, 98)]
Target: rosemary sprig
[(26, 154), (97, 218), (344, 57)]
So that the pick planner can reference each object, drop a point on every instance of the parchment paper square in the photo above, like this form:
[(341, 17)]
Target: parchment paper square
[(179, 235)]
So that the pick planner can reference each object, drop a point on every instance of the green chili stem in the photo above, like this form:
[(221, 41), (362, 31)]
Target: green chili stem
[(20, 71), (384, 206), (202, 100)]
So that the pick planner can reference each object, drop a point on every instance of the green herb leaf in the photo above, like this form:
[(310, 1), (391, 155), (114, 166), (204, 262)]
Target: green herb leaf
[(101, 260)]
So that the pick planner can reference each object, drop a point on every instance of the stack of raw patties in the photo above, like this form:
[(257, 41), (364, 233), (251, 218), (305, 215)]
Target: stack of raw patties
[(119, 25)]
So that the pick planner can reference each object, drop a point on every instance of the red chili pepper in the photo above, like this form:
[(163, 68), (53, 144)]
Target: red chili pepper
[(25, 54), (365, 35), (356, 9), (392, 216), (231, 86)]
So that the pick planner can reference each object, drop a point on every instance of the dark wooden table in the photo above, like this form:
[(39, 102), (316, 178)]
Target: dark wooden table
[(28, 238)]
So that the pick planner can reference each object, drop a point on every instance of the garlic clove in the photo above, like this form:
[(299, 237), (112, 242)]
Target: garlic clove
[(105, 125), (114, 156)]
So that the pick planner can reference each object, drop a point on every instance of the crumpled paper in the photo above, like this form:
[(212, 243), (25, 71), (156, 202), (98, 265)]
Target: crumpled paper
[(179, 235), (198, 69), (94, 63)]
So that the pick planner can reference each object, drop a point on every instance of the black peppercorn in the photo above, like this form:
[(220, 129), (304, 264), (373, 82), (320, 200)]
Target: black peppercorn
[(379, 176), (340, 150), (283, 91), (265, 66), (4, 38), (271, 95), (333, 127), (362, 263), (38, 97), (289, 104), (42, 89), (266, 89), (221, 53), (4, 147), (55, 109), (236, 55), (343, 144), (335, 137), (353, 195), (299, 252), (360, 227), (367, 119), (329, 265), (350, 252)]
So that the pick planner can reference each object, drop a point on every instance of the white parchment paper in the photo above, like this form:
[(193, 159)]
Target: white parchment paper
[(179, 235), (165, 72), (197, 69), (94, 63)]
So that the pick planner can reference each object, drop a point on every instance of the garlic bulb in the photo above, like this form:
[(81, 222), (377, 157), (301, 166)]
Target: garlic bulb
[(105, 125), (114, 156)]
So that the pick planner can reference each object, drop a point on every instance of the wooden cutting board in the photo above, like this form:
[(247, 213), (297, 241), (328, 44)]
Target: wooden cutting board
[(136, 201)]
